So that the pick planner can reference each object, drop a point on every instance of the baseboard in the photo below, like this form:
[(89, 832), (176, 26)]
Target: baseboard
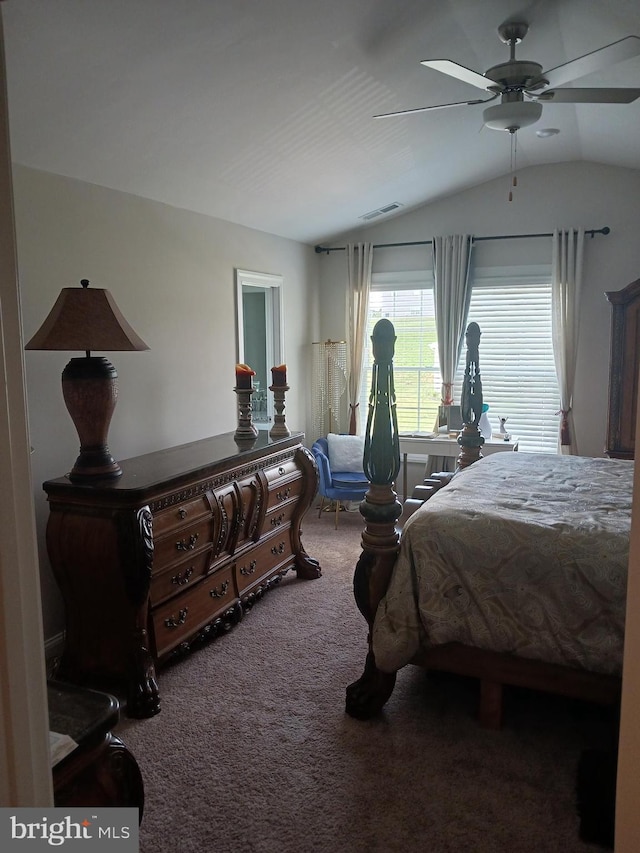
[(52, 650)]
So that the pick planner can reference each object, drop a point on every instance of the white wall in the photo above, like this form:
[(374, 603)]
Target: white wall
[(171, 273), (547, 197)]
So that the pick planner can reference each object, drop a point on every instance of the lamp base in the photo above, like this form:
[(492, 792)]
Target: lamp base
[(90, 390)]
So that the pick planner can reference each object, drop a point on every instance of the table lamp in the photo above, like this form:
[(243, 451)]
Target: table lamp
[(85, 318)]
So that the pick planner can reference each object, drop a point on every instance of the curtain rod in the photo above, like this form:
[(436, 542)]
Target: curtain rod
[(591, 232)]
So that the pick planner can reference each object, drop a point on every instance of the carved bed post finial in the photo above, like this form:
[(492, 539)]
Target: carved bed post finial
[(470, 439), (381, 443), (380, 510)]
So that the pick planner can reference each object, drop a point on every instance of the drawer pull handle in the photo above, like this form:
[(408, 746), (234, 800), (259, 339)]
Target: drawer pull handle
[(187, 546), (175, 623), (277, 521), (278, 549), (250, 570), (284, 494), (221, 591), (181, 578), (282, 471), (182, 512)]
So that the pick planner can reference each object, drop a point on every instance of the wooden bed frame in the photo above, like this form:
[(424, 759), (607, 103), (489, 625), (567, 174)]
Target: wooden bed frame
[(381, 543)]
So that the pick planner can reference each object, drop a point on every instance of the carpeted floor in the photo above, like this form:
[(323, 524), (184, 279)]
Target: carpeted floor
[(252, 750)]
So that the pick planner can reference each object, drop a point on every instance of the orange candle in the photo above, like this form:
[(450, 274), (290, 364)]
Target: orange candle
[(279, 375), (244, 376)]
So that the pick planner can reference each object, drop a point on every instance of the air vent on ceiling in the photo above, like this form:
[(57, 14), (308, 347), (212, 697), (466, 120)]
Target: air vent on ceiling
[(388, 208)]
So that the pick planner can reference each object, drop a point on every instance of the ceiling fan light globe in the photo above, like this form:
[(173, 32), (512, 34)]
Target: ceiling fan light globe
[(512, 116)]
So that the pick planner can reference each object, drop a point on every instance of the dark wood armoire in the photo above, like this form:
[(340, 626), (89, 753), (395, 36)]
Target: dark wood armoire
[(623, 371)]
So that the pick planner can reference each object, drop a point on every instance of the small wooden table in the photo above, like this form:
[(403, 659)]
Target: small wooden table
[(100, 771), (422, 445)]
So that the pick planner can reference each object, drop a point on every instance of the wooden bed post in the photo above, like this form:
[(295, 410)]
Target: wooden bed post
[(470, 439), (380, 510)]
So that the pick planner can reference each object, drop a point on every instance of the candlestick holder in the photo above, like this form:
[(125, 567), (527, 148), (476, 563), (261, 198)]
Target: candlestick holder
[(279, 428), (245, 431)]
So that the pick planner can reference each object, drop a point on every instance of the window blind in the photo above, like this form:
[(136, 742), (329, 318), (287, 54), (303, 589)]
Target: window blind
[(516, 360)]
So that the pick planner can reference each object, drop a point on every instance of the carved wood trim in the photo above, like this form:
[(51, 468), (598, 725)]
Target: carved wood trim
[(217, 482)]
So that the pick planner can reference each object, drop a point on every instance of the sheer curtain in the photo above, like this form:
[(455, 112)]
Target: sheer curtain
[(359, 263), (451, 297), (566, 284)]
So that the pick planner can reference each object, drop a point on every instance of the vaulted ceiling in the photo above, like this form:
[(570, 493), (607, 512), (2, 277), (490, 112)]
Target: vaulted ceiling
[(260, 112)]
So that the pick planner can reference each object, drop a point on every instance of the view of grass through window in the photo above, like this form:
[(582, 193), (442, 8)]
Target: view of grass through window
[(416, 366)]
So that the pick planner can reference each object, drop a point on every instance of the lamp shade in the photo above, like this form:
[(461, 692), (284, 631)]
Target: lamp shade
[(86, 318)]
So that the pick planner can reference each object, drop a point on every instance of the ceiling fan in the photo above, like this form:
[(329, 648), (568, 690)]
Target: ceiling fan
[(523, 86)]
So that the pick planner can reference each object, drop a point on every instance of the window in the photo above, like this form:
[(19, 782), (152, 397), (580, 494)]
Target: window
[(513, 310), (407, 300)]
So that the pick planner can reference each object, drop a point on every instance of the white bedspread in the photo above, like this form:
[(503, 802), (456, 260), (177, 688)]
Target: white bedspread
[(520, 553)]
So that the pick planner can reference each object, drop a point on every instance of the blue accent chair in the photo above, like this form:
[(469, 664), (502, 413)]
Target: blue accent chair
[(338, 486)]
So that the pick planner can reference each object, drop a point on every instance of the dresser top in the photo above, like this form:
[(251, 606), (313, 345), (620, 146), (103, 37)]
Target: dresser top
[(175, 465)]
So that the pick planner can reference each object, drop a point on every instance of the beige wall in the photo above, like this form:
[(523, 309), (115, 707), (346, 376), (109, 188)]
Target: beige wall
[(172, 274), (547, 197)]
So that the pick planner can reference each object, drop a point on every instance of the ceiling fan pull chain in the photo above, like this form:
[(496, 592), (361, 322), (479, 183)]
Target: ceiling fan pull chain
[(513, 143)]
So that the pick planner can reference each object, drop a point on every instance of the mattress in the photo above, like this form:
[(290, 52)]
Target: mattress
[(521, 553)]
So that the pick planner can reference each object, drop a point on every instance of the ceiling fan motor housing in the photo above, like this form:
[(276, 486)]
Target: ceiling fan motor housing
[(518, 74)]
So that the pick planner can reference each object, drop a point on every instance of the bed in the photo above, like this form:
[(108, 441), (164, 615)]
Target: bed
[(514, 572)]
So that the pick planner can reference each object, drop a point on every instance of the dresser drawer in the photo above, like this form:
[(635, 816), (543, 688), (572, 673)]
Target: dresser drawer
[(279, 473), (181, 617), (278, 517), (180, 515), (285, 491), (176, 546), (178, 577), (263, 559)]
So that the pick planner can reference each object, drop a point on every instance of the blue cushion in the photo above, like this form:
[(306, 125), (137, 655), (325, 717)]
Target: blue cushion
[(348, 480)]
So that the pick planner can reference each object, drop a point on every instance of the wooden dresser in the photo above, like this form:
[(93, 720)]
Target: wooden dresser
[(172, 554), (623, 371)]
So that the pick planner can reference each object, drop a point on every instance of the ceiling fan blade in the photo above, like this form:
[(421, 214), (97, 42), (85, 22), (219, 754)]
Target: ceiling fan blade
[(612, 53), (446, 66), (435, 107), (589, 96)]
